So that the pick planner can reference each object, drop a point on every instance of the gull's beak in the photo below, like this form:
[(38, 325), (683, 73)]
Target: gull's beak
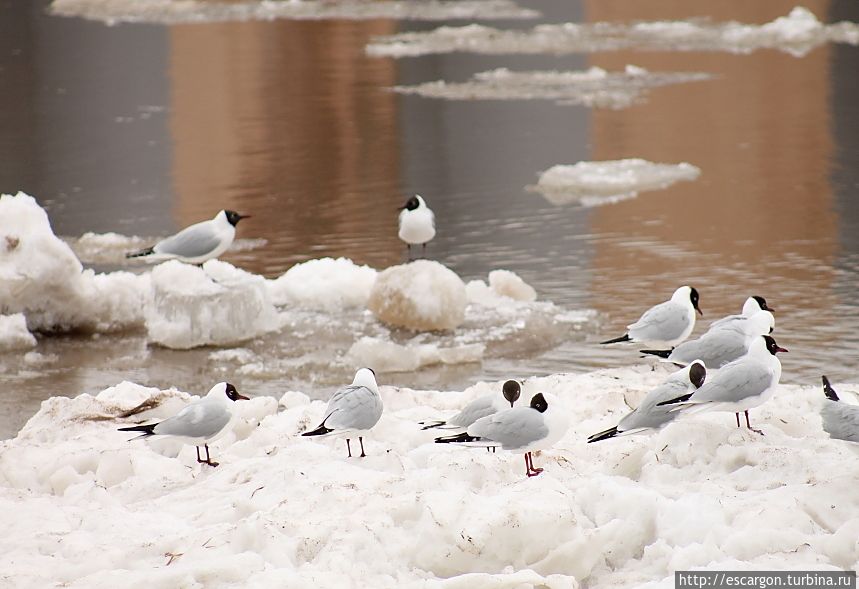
[(780, 349), (240, 397), (770, 309), (245, 216), (700, 312)]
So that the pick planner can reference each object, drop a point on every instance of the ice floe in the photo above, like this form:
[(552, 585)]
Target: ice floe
[(194, 11), (594, 87), (797, 33), (610, 181), (281, 510)]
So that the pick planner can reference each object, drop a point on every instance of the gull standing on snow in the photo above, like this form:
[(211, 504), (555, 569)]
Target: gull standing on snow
[(840, 420), (720, 346), (752, 305), (203, 421), (649, 415), (352, 410), (667, 324), (195, 244), (740, 385), (417, 223), (519, 429)]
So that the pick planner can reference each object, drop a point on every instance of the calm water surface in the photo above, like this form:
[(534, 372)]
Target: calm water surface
[(143, 129)]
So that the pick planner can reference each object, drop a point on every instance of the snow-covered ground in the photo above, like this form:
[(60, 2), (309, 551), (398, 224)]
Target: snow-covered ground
[(86, 507), (594, 87), (201, 11), (796, 33), (606, 182)]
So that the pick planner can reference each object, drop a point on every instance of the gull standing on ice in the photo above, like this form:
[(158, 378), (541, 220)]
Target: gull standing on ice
[(352, 410), (417, 223), (740, 385), (519, 429), (667, 324), (203, 421), (720, 346), (840, 420), (649, 415), (752, 305), (195, 244)]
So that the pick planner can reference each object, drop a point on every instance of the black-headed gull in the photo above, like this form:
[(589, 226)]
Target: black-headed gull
[(666, 324), (840, 420), (200, 423), (195, 244), (752, 305), (353, 410), (417, 223)]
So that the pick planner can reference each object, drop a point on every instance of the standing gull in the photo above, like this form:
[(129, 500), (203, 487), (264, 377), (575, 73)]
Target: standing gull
[(840, 420), (666, 324), (195, 244), (417, 223), (740, 385), (203, 421), (519, 429), (649, 415), (352, 410)]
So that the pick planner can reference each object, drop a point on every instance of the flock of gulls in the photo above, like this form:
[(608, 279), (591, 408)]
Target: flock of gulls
[(732, 367)]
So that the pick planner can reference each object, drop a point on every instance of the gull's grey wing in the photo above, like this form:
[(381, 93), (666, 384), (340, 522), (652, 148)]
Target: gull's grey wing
[(714, 348), (198, 420), (192, 242), (480, 407), (665, 321), (649, 415), (353, 408), (840, 420), (726, 321), (513, 429), (735, 382)]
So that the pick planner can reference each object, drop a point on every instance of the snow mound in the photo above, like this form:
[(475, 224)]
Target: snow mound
[(195, 11), (41, 277), (326, 284), (422, 296), (594, 87), (797, 33), (386, 356), (287, 510), (14, 334), (508, 284), (597, 183), (217, 304)]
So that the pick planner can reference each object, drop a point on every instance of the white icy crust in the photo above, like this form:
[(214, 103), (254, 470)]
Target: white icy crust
[(325, 284), (283, 510), (797, 33), (14, 334), (609, 181)]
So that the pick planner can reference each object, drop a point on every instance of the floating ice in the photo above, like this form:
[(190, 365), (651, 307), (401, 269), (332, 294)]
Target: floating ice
[(422, 296), (325, 283), (797, 33), (596, 183), (593, 87), (191, 11), (281, 510), (508, 284), (14, 334), (383, 355)]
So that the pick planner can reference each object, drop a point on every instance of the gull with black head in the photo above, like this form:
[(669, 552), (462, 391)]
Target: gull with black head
[(840, 419), (417, 224), (666, 324)]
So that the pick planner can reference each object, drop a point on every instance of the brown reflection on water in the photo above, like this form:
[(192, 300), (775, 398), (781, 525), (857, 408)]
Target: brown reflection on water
[(287, 121), (761, 212)]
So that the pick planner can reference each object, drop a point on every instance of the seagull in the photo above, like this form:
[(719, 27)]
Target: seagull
[(417, 223), (740, 385), (649, 415), (519, 429), (352, 410), (203, 421), (752, 305), (667, 324), (840, 420), (719, 346), (195, 244)]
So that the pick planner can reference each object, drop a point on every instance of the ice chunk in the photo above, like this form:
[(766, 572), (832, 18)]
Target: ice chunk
[(422, 296), (508, 284), (596, 183), (325, 284), (214, 305), (387, 356), (14, 334)]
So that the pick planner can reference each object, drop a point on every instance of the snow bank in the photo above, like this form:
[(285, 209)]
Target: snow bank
[(192, 11), (422, 296), (41, 277), (217, 304), (797, 33), (286, 510), (596, 183), (594, 87), (326, 284), (14, 334)]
